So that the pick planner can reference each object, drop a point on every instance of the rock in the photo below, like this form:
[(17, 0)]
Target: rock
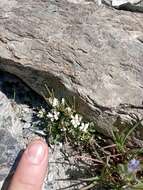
[(10, 136), (9, 149), (121, 2), (64, 172), (134, 7), (8, 120), (83, 50), (128, 5)]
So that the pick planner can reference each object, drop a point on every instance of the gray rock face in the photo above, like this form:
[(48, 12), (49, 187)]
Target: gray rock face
[(10, 136), (9, 149), (8, 119), (82, 50), (129, 5)]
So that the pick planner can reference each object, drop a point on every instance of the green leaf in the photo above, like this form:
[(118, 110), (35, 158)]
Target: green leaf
[(131, 130)]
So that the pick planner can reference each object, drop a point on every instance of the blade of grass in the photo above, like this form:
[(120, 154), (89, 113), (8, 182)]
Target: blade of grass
[(50, 94), (131, 130)]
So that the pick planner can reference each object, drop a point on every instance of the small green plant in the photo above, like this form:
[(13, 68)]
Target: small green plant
[(118, 167), (120, 138), (62, 123)]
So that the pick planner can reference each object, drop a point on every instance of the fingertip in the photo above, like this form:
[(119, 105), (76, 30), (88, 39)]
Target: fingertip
[(36, 151), (32, 168)]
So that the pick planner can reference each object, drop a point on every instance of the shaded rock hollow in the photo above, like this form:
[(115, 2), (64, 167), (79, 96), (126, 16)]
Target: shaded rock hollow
[(82, 50)]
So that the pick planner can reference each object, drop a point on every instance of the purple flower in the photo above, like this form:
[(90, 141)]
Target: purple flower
[(133, 166)]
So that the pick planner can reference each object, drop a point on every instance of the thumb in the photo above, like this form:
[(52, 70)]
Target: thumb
[(32, 168)]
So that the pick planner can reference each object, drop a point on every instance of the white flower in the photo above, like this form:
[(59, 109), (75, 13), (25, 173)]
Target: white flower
[(63, 101), (41, 113), (50, 116), (63, 129), (84, 127), (76, 120), (54, 102), (68, 109), (54, 115)]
